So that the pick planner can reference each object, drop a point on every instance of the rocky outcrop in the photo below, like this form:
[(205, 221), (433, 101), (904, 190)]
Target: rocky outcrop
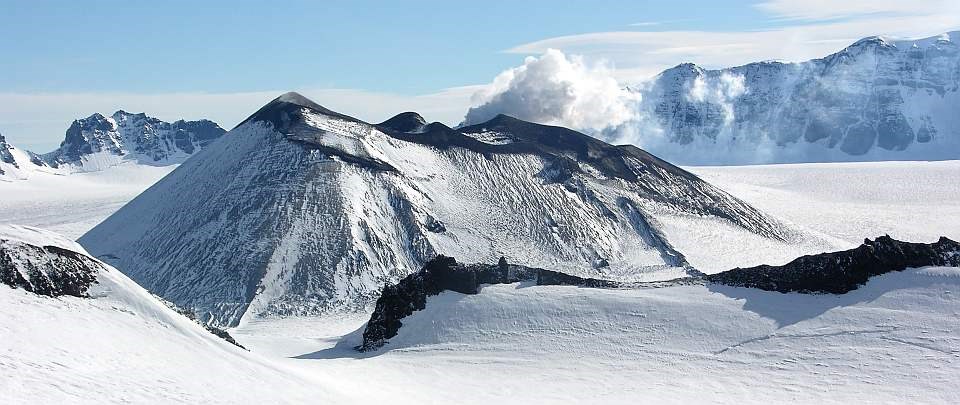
[(445, 274), (841, 272), (46, 270), (836, 273)]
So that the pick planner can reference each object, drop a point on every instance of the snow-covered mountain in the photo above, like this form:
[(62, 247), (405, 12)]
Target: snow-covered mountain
[(98, 142), (302, 210), (128, 136), (876, 99)]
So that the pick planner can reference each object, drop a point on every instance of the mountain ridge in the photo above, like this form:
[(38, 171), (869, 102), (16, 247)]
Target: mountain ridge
[(97, 142), (876, 99)]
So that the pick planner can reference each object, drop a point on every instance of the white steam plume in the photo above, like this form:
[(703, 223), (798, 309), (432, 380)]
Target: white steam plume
[(558, 90)]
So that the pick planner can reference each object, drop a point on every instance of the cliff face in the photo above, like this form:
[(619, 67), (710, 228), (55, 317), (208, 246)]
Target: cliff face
[(877, 98)]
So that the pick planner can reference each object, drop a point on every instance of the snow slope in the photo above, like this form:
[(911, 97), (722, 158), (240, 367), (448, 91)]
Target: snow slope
[(301, 210), (912, 201), (893, 340), (72, 204), (123, 345)]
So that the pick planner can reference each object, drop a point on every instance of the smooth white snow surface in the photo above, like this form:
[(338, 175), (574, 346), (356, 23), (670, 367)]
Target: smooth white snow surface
[(124, 345), (894, 340), (72, 204), (910, 201)]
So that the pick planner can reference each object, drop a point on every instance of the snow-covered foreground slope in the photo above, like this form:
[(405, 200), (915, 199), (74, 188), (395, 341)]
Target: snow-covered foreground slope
[(124, 345), (893, 340), (71, 205)]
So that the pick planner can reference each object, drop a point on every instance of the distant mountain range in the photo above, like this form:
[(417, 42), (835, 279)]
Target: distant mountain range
[(96, 142), (300, 210), (876, 99)]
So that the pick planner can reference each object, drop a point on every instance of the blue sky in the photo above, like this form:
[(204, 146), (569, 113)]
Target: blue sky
[(176, 59), (406, 47)]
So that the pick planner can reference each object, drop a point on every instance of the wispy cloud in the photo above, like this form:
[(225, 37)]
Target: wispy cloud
[(657, 23), (818, 10), (827, 26)]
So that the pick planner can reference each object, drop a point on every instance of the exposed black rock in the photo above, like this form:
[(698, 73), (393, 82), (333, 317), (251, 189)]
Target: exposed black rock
[(46, 270), (845, 271), (286, 115), (5, 155), (445, 274), (836, 273), (285, 111)]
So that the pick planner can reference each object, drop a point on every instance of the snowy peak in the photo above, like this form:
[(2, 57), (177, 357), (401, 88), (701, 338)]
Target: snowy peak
[(288, 110), (96, 140), (877, 99), (405, 122), (16, 164)]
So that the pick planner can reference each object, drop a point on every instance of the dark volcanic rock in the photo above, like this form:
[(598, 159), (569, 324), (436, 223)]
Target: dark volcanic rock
[(841, 272), (837, 272), (445, 274), (5, 155), (46, 270), (405, 122)]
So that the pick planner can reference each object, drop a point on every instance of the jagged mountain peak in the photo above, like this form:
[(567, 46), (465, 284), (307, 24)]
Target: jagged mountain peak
[(405, 122), (130, 136), (686, 69)]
